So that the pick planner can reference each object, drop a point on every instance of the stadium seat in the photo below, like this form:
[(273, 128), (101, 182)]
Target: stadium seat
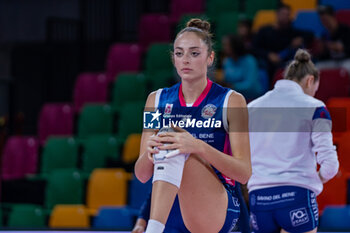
[(339, 109), (181, 7), (334, 191), (95, 120), (107, 187), (214, 9), (19, 158), (226, 24), (69, 216), (55, 120), (128, 87), (252, 6), (310, 21), (26, 216), (343, 16), (131, 148), (130, 119), (97, 149), (154, 28), (263, 18), (121, 218), (333, 83), (160, 79), (122, 58), (343, 147), (64, 186), (297, 5), (158, 58), (138, 192), (58, 153), (336, 4), (90, 88), (336, 218)]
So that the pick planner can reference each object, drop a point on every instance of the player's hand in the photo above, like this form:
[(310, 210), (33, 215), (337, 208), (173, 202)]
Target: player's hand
[(152, 145), (140, 226), (180, 140)]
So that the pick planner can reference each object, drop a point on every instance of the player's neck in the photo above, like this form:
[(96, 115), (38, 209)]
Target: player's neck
[(192, 89)]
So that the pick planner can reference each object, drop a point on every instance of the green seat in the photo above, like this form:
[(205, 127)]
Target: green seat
[(130, 119), (59, 152), (252, 6), (95, 119), (161, 79), (226, 25), (128, 87), (27, 216), (64, 186), (215, 8), (1, 218), (96, 150), (158, 58)]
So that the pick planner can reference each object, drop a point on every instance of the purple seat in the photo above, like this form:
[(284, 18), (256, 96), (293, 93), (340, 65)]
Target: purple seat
[(19, 157), (154, 28), (90, 88), (55, 120), (122, 58), (343, 16), (181, 7)]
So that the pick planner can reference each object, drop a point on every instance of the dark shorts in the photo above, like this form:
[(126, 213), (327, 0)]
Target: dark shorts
[(289, 207), (232, 212)]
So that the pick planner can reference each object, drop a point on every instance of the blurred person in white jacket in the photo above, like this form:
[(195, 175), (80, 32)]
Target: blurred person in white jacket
[(290, 133)]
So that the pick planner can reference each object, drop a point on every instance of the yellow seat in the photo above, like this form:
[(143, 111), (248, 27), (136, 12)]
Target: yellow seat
[(131, 148), (107, 187), (69, 216), (263, 18), (297, 5)]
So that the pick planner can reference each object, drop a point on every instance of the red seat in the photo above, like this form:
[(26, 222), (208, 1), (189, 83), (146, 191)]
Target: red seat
[(19, 157), (339, 109), (55, 120), (343, 16), (334, 191), (181, 7), (90, 88), (154, 28), (333, 83), (122, 58)]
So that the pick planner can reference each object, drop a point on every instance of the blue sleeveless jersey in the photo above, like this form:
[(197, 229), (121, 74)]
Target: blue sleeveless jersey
[(205, 120)]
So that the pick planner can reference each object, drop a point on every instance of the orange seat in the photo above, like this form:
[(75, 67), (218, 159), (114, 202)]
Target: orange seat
[(69, 216), (131, 148), (263, 18), (297, 5), (334, 191), (107, 187)]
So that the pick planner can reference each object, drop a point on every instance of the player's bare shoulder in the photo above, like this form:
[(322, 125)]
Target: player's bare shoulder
[(236, 100)]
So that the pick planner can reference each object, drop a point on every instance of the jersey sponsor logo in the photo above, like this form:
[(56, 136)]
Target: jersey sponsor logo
[(168, 109), (208, 111), (299, 216), (253, 199)]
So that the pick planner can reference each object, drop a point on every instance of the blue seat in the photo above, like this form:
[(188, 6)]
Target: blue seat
[(310, 21), (336, 218), (138, 192), (336, 4), (115, 218)]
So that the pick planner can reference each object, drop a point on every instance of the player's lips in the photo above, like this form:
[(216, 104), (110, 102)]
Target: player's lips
[(186, 69)]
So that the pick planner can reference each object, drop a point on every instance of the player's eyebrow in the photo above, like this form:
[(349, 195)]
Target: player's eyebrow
[(194, 47)]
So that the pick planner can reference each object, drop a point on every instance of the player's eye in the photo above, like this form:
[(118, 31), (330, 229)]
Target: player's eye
[(178, 54), (195, 54)]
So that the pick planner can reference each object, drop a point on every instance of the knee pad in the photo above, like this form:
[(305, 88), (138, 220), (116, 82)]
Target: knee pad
[(169, 165)]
